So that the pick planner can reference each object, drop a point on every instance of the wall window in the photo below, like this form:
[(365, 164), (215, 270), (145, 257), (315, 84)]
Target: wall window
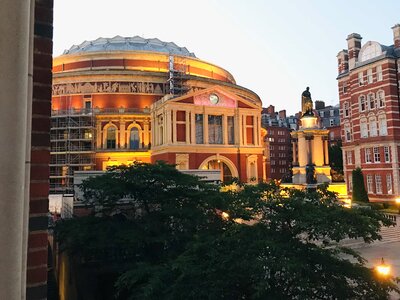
[(382, 125), (199, 129), (350, 183), (378, 184), (371, 101), (134, 139), (389, 186), (381, 98), (370, 187), (362, 103), (386, 151), (347, 132), (215, 129), (368, 157), (344, 88), (369, 76), (363, 128), (360, 79), (331, 112), (377, 155), (231, 130), (349, 155), (379, 76), (272, 162), (321, 113), (111, 141), (346, 109), (331, 122), (373, 130)]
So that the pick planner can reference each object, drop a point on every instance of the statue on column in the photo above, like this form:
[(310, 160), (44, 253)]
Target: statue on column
[(306, 103)]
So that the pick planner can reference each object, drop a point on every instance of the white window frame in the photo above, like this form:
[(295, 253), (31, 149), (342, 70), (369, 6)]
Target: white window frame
[(379, 76), (373, 129), (371, 101), (380, 95), (360, 78), (346, 109), (386, 150), (362, 103), (349, 155), (347, 132), (382, 123), (377, 155), (363, 128), (370, 79), (368, 157), (370, 184), (389, 184), (378, 184)]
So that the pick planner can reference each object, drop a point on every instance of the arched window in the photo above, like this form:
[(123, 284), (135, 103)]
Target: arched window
[(362, 103), (381, 98), (382, 125), (226, 173), (364, 128), (111, 140), (134, 138), (371, 101), (373, 130)]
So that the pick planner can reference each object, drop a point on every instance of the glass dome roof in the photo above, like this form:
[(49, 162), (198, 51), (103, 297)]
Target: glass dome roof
[(136, 43)]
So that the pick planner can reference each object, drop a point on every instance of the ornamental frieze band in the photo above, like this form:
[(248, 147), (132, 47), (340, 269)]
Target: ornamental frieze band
[(110, 87)]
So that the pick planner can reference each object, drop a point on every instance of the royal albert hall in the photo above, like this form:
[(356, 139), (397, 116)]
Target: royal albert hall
[(120, 100)]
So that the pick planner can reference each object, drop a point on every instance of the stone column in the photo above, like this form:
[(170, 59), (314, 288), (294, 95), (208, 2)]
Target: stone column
[(294, 153), (205, 128), (326, 150), (318, 149), (225, 129), (303, 151), (187, 126), (98, 135), (309, 150), (255, 136), (174, 127), (239, 128), (16, 17), (192, 127), (146, 138), (122, 134), (244, 122), (168, 127)]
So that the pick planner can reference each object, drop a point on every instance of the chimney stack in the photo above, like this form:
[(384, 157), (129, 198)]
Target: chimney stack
[(343, 61), (271, 110), (354, 47), (282, 114), (396, 36)]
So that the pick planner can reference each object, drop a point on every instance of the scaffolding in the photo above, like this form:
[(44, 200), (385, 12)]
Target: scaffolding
[(177, 77), (72, 141)]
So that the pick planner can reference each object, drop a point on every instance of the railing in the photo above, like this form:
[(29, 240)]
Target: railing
[(392, 218), (96, 111)]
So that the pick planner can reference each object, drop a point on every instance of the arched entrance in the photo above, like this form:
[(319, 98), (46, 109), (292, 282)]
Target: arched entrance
[(225, 165)]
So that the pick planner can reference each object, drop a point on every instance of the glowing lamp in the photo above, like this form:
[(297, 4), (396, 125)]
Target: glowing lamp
[(383, 269), (225, 215)]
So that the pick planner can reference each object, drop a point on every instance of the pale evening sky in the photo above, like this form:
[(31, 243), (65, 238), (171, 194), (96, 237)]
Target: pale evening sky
[(275, 48)]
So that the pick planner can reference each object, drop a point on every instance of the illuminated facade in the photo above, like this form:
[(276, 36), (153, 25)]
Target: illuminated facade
[(122, 100), (368, 83)]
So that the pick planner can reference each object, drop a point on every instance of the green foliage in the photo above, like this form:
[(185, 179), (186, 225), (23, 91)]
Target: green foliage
[(276, 244), (359, 191)]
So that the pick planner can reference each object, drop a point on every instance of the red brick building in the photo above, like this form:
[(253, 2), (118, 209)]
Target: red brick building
[(368, 84)]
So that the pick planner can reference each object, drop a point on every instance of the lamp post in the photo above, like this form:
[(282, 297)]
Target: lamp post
[(383, 269)]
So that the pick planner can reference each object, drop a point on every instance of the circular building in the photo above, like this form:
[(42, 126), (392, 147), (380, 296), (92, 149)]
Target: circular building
[(119, 100)]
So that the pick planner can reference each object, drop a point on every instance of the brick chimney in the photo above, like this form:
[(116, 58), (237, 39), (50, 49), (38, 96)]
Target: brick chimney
[(271, 110), (396, 36), (319, 104), (343, 61), (354, 46), (282, 114)]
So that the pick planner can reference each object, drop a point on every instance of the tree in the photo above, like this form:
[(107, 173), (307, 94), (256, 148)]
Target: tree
[(359, 192), (336, 162), (185, 239)]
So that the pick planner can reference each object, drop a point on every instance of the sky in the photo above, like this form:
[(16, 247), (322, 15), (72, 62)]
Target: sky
[(275, 48)]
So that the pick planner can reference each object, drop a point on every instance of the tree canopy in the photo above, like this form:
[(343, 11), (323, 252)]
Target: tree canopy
[(186, 239), (359, 191)]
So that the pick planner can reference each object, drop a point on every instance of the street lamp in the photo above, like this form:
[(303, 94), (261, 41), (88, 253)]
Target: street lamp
[(398, 203), (383, 269)]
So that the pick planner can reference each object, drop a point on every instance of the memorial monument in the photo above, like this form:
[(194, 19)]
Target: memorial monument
[(310, 148)]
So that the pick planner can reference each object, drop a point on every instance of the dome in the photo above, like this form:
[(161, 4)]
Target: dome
[(136, 43)]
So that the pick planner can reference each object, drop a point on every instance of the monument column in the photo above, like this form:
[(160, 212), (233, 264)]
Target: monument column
[(326, 150), (122, 134), (192, 127), (303, 151), (309, 150), (146, 138), (187, 126), (174, 127)]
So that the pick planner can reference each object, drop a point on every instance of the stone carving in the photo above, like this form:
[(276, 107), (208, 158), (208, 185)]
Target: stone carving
[(109, 87)]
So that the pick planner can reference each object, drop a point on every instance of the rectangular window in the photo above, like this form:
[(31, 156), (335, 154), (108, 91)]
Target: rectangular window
[(369, 76), (387, 153), (373, 130), (389, 186), (272, 162), (381, 98), (370, 187), (214, 129), (344, 88), (331, 112), (371, 101), (347, 132), (368, 155), (377, 155), (346, 110), (362, 103), (321, 113), (379, 76), (199, 129), (378, 184), (360, 79), (231, 130), (350, 183), (349, 157), (364, 128)]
